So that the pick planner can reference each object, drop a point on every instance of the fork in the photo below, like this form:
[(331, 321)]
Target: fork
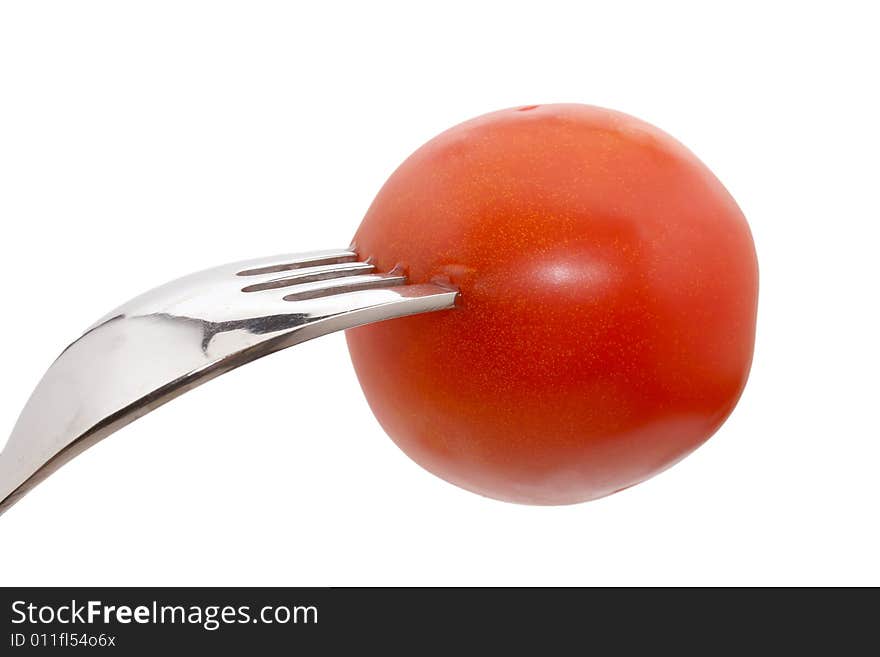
[(169, 340)]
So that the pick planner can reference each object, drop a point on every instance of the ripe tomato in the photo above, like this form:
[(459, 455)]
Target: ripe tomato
[(607, 312)]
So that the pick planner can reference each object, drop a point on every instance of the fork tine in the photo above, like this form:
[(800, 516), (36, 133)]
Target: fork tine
[(342, 285), (286, 278), (289, 261)]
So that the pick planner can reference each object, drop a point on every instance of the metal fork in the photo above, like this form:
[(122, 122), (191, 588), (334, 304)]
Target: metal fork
[(170, 340)]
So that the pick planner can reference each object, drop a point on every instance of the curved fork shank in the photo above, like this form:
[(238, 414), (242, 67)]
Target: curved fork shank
[(173, 338)]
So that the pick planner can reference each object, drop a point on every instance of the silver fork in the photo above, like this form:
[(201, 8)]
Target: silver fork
[(170, 340)]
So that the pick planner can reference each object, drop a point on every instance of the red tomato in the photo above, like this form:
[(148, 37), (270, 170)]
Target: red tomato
[(607, 312)]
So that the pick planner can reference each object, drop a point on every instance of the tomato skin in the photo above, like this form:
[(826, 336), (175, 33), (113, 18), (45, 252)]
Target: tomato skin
[(606, 320)]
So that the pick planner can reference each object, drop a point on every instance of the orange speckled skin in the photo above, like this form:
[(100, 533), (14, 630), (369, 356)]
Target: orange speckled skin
[(606, 321)]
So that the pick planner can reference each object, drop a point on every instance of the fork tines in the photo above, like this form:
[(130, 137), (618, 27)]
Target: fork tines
[(318, 274)]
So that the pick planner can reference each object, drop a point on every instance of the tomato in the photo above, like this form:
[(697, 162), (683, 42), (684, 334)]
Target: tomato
[(606, 319)]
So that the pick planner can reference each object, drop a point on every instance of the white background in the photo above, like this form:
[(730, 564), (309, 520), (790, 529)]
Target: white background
[(143, 141)]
